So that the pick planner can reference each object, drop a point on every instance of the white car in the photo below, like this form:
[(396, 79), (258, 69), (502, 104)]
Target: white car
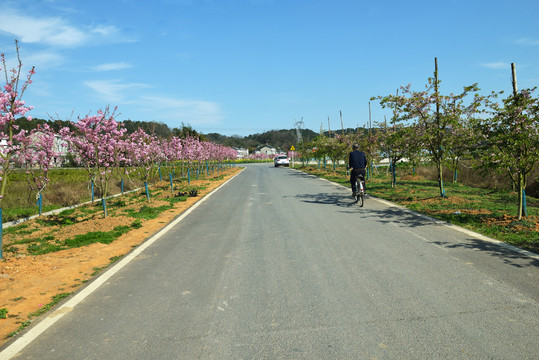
[(281, 160)]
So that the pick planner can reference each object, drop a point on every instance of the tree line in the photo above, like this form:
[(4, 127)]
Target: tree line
[(282, 140), (154, 128), (446, 129), (98, 143)]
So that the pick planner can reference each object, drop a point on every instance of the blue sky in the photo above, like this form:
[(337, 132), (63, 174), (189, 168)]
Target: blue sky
[(240, 67)]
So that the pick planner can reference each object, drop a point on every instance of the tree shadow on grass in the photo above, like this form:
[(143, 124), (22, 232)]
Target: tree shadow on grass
[(408, 218), (508, 256), (411, 219)]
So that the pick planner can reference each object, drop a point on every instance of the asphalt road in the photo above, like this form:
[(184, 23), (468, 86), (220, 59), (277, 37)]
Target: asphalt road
[(281, 265)]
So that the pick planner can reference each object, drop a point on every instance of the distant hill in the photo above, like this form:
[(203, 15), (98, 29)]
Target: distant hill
[(279, 139)]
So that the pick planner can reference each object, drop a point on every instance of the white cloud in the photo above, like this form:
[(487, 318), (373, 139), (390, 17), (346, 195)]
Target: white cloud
[(113, 91), (56, 31), (133, 98), (112, 66), (51, 31), (527, 41), (105, 30), (43, 59), (496, 65), (174, 110)]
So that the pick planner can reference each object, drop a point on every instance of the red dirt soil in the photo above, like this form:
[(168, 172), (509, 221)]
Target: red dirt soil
[(28, 282)]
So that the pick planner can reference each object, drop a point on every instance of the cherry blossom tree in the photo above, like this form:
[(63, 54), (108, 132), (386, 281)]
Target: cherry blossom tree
[(122, 162), (11, 107), (37, 154), (172, 149), (97, 141), (144, 153)]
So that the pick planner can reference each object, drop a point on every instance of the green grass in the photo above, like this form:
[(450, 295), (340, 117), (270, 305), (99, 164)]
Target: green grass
[(118, 203), (90, 210), (481, 210), (67, 212), (61, 220), (43, 247), (21, 229), (14, 213), (70, 187), (147, 212), (176, 199), (55, 300), (48, 244), (96, 236), (137, 224)]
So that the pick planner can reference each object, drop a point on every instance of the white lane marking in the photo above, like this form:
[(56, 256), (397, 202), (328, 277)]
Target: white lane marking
[(18, 345), (449, 225)]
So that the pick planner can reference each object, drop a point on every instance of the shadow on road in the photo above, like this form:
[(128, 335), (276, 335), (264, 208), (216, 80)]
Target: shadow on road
[(508, 256), (302, 175), (400, 216), (410, 219), (336, 199)]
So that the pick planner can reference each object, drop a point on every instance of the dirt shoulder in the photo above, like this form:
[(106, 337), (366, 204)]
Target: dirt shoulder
[(29, 282)]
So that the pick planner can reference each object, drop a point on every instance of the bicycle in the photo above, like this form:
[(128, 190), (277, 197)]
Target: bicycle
[(359, 190)]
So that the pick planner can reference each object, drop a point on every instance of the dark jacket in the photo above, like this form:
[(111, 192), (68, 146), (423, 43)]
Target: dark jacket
[(357, 160)]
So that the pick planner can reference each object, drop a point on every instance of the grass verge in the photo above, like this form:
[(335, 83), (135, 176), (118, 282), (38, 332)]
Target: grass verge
[(491, 213), (55, 300)]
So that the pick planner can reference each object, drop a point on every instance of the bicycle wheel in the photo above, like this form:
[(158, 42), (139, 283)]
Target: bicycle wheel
[(360, 193), (360, 199), (356, 191)]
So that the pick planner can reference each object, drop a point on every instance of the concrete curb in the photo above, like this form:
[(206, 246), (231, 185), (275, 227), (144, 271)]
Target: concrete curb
[(445, 223), (48, 320), (57, 211)]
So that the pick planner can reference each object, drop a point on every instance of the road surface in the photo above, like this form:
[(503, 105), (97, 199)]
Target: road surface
[(278, 264)]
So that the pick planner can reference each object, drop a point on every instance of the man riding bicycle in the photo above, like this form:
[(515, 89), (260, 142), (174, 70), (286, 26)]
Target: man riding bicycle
[(357, 161)]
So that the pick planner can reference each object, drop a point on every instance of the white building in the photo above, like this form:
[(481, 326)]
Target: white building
[(60, 147), (242, 153), (268, 150)]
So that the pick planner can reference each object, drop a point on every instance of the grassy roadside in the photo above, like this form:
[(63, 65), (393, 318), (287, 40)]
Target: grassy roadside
[(50, 233), (47, 257), (491, 213), (71, 186)]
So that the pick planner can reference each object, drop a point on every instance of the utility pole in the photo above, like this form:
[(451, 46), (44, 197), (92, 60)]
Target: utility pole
[(299, 125), (329, 128), (522, 211), (436, 89), (514, 76), (370, 122), (440, 149)]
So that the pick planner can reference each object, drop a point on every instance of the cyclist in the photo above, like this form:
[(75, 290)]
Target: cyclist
[(357, 161)]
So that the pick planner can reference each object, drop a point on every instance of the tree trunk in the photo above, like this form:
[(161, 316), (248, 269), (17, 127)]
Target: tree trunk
[(521, 196), (440, 179), (393, 174)]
